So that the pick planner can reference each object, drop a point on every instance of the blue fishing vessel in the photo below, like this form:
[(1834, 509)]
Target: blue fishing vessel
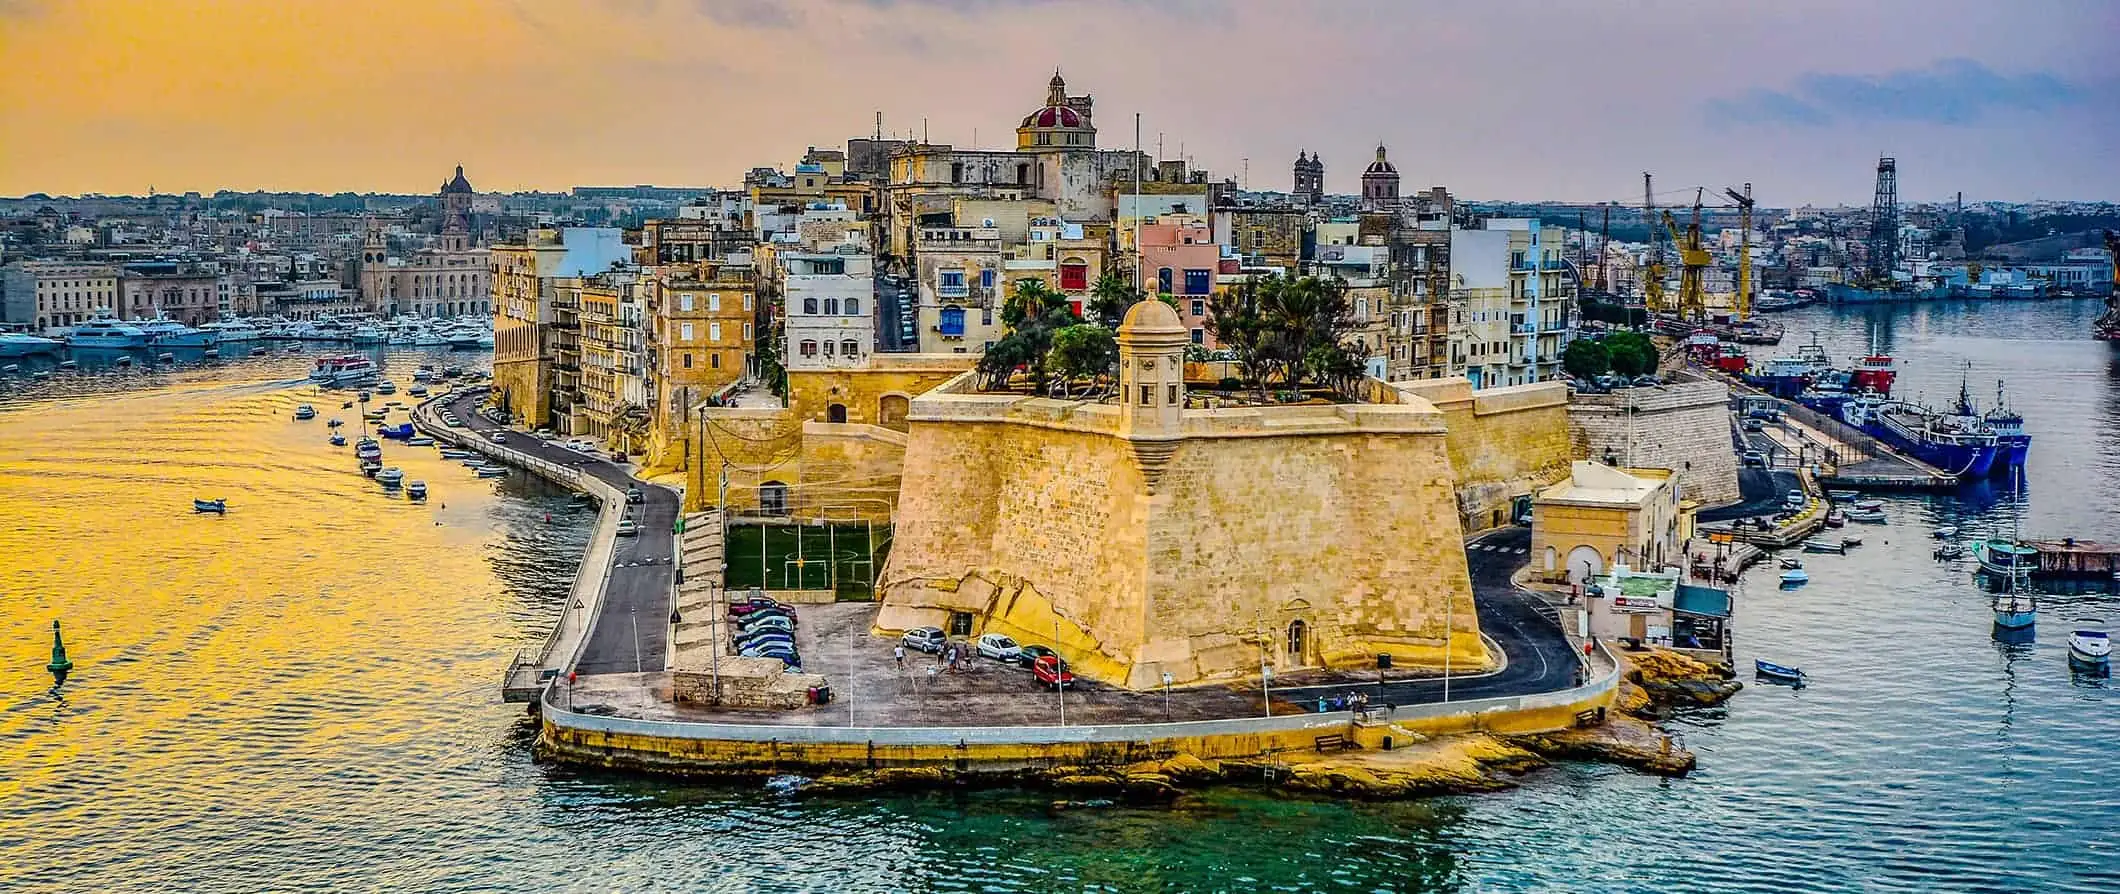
[(1959, 444), (1775, 672), (215, 506)]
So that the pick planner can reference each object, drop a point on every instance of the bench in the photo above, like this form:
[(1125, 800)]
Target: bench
[(1334, 742)]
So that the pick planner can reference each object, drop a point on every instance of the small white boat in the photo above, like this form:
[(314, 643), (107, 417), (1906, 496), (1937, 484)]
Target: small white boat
[(417, 391), (492, 471), (2090, 650), (1851, 542), (416, 490), (1824, 546), (1869, 504), (1795, 577), (1791, 562), (1946, 532), (1867, 516), (419, 441), (458, 453), (338, 440), (385, 387), (305, 411), (390, 477)]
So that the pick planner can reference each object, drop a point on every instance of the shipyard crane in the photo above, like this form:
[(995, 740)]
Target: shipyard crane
[(1693, 260), (1652, 273), (1744, 250)]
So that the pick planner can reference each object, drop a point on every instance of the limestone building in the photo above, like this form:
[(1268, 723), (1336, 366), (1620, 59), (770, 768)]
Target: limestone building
[(1143, 536), (1602, 518)]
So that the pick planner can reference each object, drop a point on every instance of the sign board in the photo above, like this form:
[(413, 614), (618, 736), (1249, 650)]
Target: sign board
[(1634, 605), (1721, 537)]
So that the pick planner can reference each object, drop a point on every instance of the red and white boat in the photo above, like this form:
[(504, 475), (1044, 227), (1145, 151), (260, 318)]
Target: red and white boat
[(344, 369)]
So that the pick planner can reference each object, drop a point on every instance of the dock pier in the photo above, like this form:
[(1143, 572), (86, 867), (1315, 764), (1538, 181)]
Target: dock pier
[(1842, 455)]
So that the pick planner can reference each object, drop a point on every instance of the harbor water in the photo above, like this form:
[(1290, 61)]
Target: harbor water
[(302, 694)]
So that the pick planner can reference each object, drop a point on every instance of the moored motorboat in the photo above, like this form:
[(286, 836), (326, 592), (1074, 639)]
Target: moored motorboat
[(1842, 496), (335, 422), (338, 440), (1795, 577), (416, 490), (419, 441), (218, 506), (305, 412), (491, 471), (1869, 504), (1824, 546), (1850, 542), (1836, 519), (2005, 559), (1867, 516), (1777, 672), (1946, 532), (2090, 651), (386, 387), (417, 391), (390, 477), (1947, 551), (367, 450), (399, 432), (457, 453), (1791, 562)]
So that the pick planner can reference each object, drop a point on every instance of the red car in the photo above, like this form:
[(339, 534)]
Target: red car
[(1051, 672), (757, 603)]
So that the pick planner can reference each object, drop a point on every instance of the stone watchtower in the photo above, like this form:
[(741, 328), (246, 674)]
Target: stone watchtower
[(1152, 344)]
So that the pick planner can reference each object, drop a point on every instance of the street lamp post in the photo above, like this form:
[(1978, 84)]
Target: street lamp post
[(1166, 696)]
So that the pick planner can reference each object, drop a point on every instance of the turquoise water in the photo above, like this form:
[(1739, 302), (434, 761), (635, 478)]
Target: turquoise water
[(302, 696)]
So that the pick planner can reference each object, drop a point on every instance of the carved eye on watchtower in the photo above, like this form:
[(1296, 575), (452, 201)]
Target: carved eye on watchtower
[(1148, 364)]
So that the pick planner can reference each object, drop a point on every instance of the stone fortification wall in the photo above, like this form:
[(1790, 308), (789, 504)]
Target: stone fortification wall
[(1187, 555), (1504, 442), (1684, 427), (848, 470), (876, 394)]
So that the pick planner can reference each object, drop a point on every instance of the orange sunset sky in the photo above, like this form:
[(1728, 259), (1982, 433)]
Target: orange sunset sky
[(1502, 99)]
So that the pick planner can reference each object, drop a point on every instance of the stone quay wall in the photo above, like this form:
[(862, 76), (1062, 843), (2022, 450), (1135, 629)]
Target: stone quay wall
[(1318, 535), (970, 753), (1684, 427)]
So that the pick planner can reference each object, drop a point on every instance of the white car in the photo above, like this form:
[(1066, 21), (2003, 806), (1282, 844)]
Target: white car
[(627, 527), (999, 648), (581, 445)]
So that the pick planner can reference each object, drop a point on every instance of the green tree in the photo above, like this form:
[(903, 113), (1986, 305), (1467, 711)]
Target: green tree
[(1032, 314), (1632, 353), (1109, 299), (1082, 351), (1586, 359), (1237, 318)]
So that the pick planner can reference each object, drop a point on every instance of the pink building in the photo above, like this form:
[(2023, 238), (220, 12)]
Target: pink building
[(1182, 260)]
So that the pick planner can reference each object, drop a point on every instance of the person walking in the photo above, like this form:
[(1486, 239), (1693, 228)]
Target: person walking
[(898, 652)]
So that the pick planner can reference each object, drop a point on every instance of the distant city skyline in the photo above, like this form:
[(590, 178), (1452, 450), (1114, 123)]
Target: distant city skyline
[(1498, 101)]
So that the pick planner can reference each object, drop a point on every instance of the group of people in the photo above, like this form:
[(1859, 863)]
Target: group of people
[(1352, 701)]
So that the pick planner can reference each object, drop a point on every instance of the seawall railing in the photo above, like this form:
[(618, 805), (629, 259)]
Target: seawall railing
[(558, 715)]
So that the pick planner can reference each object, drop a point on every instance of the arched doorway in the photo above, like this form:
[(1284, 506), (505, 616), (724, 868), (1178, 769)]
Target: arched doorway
[(891, 411), (835, 413), (1296, 630), (773, 498), (1584, 562)]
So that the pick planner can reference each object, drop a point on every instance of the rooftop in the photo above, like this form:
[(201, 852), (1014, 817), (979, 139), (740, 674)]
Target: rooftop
[(1591, 483)]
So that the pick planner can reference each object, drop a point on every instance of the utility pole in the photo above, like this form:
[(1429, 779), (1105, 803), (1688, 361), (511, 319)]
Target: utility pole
[(1258, 629), (1060, 677)]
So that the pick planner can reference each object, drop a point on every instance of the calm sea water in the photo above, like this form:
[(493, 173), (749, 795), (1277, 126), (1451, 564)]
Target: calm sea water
[(301, 696)]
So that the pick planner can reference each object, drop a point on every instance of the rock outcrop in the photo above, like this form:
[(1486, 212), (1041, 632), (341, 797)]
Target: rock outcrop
[(1669, 679)]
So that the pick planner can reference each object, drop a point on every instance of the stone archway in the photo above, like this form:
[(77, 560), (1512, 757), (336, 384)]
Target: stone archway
[(773, 498), (1296, 635), (836, 413), (1584, 562), (891, 411)]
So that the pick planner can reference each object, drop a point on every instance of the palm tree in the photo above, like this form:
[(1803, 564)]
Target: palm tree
[(1109, 299)]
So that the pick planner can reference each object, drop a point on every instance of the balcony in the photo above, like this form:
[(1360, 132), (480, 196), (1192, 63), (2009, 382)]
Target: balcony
[(953, 291), (1522, 328)]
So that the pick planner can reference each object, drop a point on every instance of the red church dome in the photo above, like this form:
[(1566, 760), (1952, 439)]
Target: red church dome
[(1053, 116)]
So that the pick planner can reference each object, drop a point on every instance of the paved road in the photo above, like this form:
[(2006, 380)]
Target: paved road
[(631, 632), (1541, 659), (895, 304)]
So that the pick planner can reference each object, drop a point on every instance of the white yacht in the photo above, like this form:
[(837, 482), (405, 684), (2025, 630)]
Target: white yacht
[(233, 331), (163, 332), (16, 344), (104, 331), (327, 329)]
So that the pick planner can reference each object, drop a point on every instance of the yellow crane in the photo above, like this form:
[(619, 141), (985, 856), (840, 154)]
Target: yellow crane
[(1653, 271), (1744, 250), (1693, 260)]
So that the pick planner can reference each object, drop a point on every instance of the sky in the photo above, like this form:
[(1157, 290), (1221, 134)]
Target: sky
[(1496, 99)]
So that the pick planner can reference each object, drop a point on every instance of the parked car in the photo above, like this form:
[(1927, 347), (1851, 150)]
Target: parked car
[(628, 527), (1754, 458), (786, 655), (763, 621), (757, 604), (633, 494), (1755, 425), (1052, 673), (925, 639), (500, 437), (581, 445), (763, 639), (998, 647), (1029, 655), (1796, 498)]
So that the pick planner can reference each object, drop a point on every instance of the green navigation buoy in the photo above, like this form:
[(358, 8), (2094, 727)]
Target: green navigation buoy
[(60, 664)]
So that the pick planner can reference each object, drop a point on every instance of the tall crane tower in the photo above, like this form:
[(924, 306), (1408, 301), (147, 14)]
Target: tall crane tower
[(1744, 250), (1884, 221), (1652, 272)]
